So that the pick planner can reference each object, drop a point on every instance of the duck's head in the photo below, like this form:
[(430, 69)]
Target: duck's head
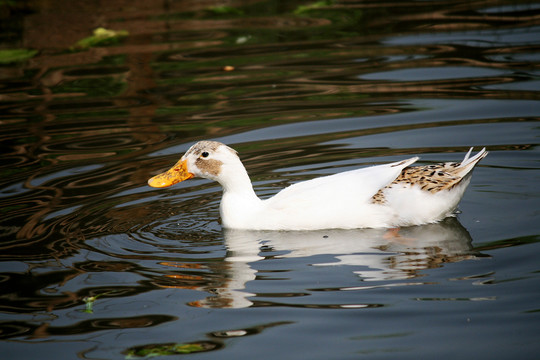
[(206, 159)]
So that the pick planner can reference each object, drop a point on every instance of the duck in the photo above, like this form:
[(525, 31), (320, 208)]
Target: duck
[(389, 195)]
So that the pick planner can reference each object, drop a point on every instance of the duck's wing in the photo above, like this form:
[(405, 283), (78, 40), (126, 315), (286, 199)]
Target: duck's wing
[(438, 177), (356, 186)]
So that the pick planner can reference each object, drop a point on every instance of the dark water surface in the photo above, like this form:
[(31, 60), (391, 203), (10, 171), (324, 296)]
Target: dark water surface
[(97, 265)]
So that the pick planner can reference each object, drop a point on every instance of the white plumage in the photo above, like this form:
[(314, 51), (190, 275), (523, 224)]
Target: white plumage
[(382, 196)]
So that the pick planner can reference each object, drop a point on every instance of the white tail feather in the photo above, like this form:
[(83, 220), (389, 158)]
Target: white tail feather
[(467, 156), (468, 163)]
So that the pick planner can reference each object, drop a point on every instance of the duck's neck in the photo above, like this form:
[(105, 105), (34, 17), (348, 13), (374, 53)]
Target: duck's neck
[(239, 203), (237, 182)]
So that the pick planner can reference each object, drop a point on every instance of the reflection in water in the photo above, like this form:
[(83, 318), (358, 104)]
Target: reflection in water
[(14, 329), (372, 254)]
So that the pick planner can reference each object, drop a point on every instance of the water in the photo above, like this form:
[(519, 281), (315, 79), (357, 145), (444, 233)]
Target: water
[(97, 265)]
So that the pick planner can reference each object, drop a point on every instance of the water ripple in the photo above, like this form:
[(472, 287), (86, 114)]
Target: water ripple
[(89, 251)]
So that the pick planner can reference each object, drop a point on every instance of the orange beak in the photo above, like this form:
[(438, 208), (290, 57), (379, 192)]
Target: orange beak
[(176, 174)]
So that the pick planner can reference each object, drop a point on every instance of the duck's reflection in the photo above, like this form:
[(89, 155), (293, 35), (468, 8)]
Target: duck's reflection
[(373, 254)]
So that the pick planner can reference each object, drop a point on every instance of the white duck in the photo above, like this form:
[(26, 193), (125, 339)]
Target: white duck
[(382, 196)]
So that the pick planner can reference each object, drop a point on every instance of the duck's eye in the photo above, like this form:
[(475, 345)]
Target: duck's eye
[(205, 154)]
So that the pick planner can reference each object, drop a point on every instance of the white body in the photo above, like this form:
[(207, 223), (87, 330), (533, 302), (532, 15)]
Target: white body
[(335, 201), (344, 200), (340, 201)]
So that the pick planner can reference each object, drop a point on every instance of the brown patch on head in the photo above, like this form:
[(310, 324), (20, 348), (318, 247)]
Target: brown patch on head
[(209, 166), (203, 151)]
